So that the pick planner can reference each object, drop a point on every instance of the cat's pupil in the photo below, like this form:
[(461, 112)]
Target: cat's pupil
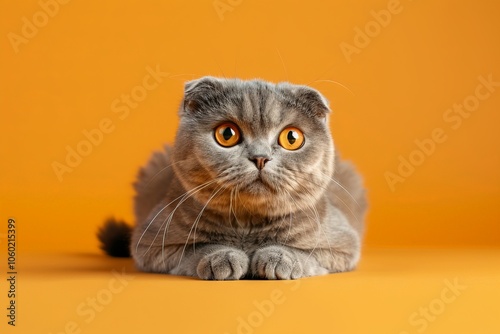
[(227, 133), (292, 137)]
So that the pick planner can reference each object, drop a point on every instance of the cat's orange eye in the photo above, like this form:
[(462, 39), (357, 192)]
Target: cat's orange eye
[(227, 134), (291, 139)]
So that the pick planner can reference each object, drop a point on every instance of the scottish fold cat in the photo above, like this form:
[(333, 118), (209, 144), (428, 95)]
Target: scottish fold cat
[(252, 187)]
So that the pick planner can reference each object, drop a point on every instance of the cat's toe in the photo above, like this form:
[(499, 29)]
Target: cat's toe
[(276, 263), (223, 264)]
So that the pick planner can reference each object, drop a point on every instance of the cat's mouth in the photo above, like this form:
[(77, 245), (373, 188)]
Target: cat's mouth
[(260, 183)]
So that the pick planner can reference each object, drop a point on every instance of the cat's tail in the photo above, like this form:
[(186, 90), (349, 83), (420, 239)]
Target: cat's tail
[(115, 237)]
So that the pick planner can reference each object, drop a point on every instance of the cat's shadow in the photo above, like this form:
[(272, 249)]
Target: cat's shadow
[(77, 265), (57, 263), (74, 265)]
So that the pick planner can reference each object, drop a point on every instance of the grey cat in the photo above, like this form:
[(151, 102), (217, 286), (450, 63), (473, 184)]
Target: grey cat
[(251, 188)]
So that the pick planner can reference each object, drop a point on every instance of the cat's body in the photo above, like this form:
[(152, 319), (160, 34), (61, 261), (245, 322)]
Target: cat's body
[(251, 188)]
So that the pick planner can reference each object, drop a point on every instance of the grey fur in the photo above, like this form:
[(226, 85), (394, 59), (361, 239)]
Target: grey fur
[(207, 211)]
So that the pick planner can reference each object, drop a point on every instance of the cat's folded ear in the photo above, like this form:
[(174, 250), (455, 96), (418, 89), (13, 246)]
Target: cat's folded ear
[(199, 93), (312, 101)]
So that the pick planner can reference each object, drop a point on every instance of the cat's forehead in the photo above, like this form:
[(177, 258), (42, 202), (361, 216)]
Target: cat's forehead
[(255, 104), (260, 91)]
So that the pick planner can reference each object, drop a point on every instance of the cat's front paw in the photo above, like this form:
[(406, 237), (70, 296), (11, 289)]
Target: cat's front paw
[(275, 262), (223, 264)]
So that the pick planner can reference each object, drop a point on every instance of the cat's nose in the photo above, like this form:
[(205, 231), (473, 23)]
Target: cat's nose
[(260, 161)]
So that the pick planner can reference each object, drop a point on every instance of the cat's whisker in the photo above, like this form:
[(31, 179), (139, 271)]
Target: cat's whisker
[(195, 224), (147, 227), (284, 192), (312, 220), (236, 190), (300, 207), (308, 179), (241, 202), (184, 74), (154, 218), (220, 68), (336, 195), (201, 186), (312, 206), (231, 212), (283, 63), (320, 230), (162, 170), (336, 83), (348, 208), (168, 220), (234, 69), (319, 185), (341, 186), (290, 224), (223, 188), (214, 193)]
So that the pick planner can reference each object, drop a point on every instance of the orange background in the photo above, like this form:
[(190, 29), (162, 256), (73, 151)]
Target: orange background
[(65, 78), (395, 90)]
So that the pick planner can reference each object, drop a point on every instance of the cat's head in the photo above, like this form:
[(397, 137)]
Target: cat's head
[(253, 146)]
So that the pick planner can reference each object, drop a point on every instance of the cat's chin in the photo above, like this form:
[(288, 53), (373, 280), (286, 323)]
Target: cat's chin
[(259, 186)]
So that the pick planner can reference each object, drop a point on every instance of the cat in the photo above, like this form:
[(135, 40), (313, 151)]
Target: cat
[(251, 188)]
